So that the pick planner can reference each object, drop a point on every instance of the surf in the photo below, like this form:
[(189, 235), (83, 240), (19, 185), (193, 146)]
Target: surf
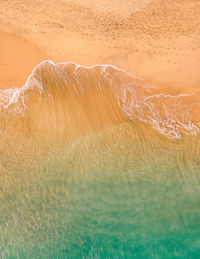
[(97, 162), (67, 97)]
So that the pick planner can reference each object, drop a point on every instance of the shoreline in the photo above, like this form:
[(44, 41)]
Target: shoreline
[(152, 43), (16, 64)]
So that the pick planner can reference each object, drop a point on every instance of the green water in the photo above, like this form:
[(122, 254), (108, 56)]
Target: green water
[(103, 197)]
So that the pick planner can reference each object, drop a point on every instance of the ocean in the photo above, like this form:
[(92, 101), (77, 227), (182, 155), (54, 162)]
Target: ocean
[(98, 163)]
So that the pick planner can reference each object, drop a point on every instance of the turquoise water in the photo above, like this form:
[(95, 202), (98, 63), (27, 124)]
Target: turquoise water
[(97, 163), (109, 195)]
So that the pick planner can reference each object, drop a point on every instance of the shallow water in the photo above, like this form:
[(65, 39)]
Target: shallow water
[(81, 179)]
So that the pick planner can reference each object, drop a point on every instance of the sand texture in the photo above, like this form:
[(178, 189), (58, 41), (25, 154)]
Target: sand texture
[(158, 40)]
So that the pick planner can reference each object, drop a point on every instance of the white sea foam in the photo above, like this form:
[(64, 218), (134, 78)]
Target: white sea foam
[(169, 115)]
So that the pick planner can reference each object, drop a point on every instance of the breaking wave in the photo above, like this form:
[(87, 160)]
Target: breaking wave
[(67, 97)]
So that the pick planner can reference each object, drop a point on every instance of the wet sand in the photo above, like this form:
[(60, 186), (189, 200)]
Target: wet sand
[(93, 162), (17, 59), (158, 40)]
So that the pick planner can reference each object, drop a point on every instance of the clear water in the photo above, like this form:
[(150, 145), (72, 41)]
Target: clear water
[(95, 163), (97, 199)]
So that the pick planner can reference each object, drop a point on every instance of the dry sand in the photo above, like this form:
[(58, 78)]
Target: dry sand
[(158, 40)]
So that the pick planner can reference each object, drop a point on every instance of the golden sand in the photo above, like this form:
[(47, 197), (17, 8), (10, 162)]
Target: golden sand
[(149, 40), (157, 40), (95, 162), (17, 59)]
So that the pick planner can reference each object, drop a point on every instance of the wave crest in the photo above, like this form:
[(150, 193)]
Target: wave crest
[(70, 97)]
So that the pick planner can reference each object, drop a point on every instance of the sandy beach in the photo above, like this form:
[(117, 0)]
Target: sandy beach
[(157, 40), (18, 58), (96, 162)]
